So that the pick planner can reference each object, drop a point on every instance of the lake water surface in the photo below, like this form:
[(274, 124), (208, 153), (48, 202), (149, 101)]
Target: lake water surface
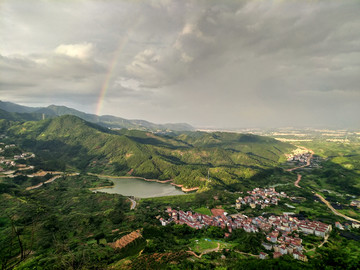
[(141, 188)]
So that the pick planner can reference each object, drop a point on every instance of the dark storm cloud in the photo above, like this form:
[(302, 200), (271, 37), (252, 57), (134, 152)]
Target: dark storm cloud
[(210, 63)]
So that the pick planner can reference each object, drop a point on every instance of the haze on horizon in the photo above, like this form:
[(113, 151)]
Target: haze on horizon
[(208, 63)]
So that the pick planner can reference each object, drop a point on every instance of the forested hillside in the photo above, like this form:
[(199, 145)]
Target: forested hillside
[(13, 116), (70, 143)]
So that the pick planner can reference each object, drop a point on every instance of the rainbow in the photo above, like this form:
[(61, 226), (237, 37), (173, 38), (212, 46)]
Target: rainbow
[(105, 85)]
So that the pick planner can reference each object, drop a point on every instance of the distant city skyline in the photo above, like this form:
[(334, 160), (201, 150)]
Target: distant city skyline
[(227, 64)]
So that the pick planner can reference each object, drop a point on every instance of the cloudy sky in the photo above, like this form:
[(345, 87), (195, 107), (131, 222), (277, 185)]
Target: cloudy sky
[(207, 63)]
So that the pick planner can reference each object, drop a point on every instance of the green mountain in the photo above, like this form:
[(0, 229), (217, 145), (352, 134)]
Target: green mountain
[(104, 120), (71, 143)]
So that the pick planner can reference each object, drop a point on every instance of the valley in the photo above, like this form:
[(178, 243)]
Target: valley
[(164, 134), (72, 188)]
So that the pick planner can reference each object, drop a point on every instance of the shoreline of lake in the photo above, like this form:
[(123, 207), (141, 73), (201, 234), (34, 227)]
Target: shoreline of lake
[(103, 187), (137, 187), (184, 189)]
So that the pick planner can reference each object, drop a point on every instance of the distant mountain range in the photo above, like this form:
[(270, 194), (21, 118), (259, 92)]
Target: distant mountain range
[(19, 112)]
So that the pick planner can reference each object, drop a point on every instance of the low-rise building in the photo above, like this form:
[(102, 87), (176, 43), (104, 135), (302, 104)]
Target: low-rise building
[(267, 246), (263, 255)]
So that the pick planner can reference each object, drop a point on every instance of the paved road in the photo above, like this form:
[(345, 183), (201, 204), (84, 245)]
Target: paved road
[(334, 210)]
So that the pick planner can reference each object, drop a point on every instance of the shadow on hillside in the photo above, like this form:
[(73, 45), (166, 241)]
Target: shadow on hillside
[(155, 142), (56, 155), (337, 178)]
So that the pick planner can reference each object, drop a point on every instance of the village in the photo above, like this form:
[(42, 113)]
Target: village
[(278, 228), (301, 158), (260, 197), (281, 231), (9, 166)]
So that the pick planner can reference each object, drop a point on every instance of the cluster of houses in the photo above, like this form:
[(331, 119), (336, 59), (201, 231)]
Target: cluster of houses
[(5, 146), (302, 158), (25, 156), (355, 203), (286, 244), (278, 228), (314, 227), (262, 197), (347, 226), (6, 163)]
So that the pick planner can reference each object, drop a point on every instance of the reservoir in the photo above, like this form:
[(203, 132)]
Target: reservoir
[(141, 188)]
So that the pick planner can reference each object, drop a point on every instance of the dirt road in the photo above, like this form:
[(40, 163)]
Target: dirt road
[(297, 181), (51, 180), (133, 204), (205, 251)]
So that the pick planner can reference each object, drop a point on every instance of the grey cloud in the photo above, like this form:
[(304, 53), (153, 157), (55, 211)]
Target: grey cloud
[(214, 63)]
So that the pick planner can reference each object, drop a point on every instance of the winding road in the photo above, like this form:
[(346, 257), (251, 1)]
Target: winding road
[(334, 210), (51, 180), (296, 184)]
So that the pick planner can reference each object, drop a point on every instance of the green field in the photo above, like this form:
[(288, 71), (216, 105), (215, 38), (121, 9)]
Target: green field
[(201, 245), (354, 213), (203, 210), (205, 244)]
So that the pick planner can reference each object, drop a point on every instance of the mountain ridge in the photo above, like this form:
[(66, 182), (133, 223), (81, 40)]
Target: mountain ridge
[(108, 121)]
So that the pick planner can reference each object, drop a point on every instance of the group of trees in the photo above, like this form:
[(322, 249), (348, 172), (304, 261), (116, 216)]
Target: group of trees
[(54, 224), (63, 225)]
